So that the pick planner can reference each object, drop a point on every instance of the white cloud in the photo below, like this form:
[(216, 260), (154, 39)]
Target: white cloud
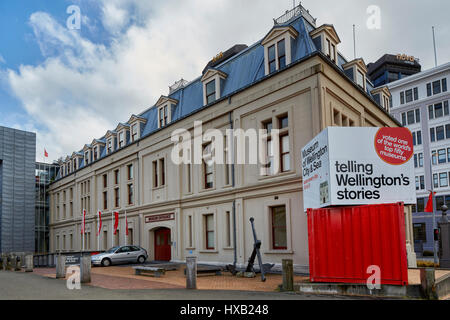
[(2, 60), (84, 88)]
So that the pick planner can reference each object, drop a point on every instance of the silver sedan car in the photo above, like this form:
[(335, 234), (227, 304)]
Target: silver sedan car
[(119, 255)]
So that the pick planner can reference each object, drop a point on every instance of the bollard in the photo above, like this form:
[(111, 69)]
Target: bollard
[(29, 263), (288, 275), (85, 269), (427, 282), (191, 272), (60, 267)]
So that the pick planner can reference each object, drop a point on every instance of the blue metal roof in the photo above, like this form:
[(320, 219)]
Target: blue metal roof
[(242, 69)]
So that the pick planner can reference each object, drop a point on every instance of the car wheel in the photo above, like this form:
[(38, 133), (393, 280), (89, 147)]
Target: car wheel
[(141, 259), (106, 262)]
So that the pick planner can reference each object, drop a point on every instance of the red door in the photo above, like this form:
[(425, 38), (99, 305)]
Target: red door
[(162, 244)]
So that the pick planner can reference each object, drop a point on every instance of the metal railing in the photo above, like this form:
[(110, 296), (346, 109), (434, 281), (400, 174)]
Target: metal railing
[(295, 12)]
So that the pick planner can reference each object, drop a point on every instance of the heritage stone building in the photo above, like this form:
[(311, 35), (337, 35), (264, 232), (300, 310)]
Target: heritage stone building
[(294, 80)]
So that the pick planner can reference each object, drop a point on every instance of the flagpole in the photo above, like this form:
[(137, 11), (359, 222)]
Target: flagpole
[(126, 229), (112, 229)]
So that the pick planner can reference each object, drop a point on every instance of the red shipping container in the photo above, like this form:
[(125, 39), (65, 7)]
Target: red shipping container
[(345, 241)]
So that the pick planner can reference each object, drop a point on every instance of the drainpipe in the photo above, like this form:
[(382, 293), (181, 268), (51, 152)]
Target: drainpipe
[(233, 184)]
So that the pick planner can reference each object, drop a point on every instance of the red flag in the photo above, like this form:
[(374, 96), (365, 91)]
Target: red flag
[(83, 224), (45, 153), (429, 207), (100, 222), (116, 221)]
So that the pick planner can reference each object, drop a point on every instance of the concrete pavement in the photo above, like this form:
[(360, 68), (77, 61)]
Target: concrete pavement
[(29, 286)]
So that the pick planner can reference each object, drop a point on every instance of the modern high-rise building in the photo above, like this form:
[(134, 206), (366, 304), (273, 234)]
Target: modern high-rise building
[(421, 103), (391, 68), (17, 190), (294, 80)]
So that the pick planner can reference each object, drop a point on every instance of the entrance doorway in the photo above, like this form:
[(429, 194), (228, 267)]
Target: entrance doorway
[(162, 244)]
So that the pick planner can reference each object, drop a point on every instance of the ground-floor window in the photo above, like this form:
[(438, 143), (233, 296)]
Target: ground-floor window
[(420, 233), (209, 230), (279, 235)]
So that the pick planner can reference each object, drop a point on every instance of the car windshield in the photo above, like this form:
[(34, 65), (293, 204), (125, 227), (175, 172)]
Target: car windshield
[(112, 250)]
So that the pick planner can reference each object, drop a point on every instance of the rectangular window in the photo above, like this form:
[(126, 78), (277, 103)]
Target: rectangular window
[(272, 59), (95, 153), (333, 53), (227, 229), (446, 112), (448, 155), (416, 94), (155, 174), (190, 231), (209, 228), (121, 140), (415, 163), (279, 235), (442, 157), (109, 146), (402, 97), (134, 132), (447, 131), (130, 194), (116, 197), (409, 95), (420, 204), (420, 156), (130, 172), (328, 48), (440, 134), (161, 117), (438, 111), (436, 87), (360, 79), (166, 115), (443, 179), (428, 89), (422, 182), (419, 137), (444, 85), (417, 115), (162, 171), (188, 178), (432, 135), (208, 168), (86, 158), (105, 200), (420, 232), (105, 181), (116, 176), (285, 157), (211, 92), (430, 112), (403, 119), (281, 54), (410, 116), (435, 180)]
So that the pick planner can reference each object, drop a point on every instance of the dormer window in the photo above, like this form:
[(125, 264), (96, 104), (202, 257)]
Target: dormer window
[(95, 153), (212, 83), (121, 139), (356, 70), (211, 92), (165, 109), (137, 124), (163, 116), (134, 132), (277, 48), (109, 149), (86, 158), (326, 40), (382, 96)]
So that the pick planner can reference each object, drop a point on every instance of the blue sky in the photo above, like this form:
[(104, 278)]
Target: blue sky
[(71, 86)]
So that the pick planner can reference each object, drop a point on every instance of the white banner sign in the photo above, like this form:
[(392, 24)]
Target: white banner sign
[(356, 166)]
